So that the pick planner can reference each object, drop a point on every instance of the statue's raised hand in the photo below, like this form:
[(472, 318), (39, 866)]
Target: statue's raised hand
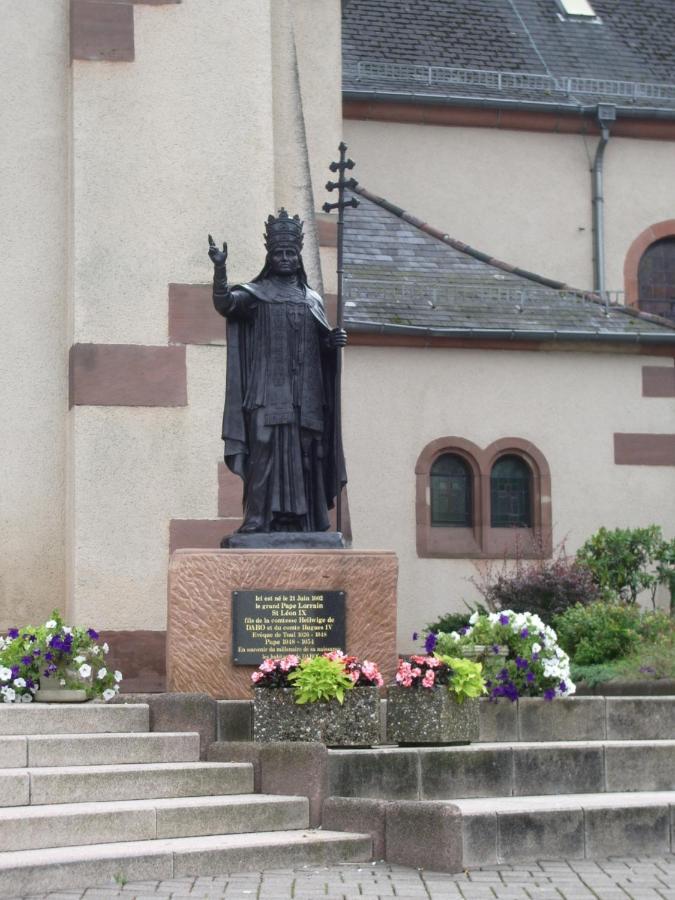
[(218, 257)]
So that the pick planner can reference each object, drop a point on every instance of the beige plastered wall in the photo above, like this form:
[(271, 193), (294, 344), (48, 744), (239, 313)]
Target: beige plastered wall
[(523, 197), (33, 278), (220, 120), (569, 404)]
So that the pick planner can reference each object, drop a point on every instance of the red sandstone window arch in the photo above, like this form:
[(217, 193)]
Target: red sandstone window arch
[(654, 242), (477, 537)]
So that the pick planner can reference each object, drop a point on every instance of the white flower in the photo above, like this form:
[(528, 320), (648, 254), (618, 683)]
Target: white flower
[(473, 618), (84, 671), (96, 649), (67, 630), (50, 624), (106, 648), (102, 673), (536, 648), (62, 682), (117, 675), (79, 659), (108, 694), (5, 673), (454, 635), (26, 698), (20, 682), (10, 694)]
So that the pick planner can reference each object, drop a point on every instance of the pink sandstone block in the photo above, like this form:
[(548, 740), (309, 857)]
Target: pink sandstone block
[(199, 631)]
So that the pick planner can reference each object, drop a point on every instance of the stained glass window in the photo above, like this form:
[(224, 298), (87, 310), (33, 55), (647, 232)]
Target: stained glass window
[(656, 278), (451, 492), (511, 493)]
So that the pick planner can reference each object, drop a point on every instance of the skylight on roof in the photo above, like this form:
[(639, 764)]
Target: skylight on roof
[(581, 9)]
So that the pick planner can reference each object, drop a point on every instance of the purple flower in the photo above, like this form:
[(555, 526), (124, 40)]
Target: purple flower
[(51, 667), (32, 638), (549, 694), (56, 642), (430, 642), (563, 687), (13, 633), (46, 673), (92, 634), (521, 663), (36, 652), (30, 683), (503, 619), (464, 629), (524, 633), (495, 648), (415, 636), (26, 660), (49, 656), (503, 675), (529, 677)]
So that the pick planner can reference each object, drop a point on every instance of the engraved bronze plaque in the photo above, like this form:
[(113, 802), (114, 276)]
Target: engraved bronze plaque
[(276, 623)]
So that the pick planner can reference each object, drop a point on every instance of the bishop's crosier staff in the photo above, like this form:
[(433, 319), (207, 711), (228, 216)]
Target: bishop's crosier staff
[(340, 166)]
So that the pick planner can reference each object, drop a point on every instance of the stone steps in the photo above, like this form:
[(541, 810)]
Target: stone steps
[(86, 784), (576, 826), (98, 749), (36, 871), (88, 794), (70, 824), (76, 718), (502, 769)]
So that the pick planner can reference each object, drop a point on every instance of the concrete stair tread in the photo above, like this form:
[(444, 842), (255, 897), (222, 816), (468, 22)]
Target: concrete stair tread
[(124, 768), (99, 748), (26, 872), (81, 718), (477, 747), (545, 802), (8, 813)]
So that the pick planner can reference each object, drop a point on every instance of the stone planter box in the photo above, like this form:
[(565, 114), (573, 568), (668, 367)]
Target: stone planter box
[(430, 716), (354, 723)]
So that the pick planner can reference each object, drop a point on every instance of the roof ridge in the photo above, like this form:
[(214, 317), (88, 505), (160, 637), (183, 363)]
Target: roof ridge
[(589, 296)]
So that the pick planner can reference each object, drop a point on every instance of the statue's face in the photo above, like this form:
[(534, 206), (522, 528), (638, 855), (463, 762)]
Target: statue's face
[(284, 260)]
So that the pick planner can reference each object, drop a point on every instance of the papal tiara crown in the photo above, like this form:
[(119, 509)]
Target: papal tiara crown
[(283, 230)]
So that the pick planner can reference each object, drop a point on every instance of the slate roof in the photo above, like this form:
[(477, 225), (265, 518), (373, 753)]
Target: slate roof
[(633, 44), (403, 274)]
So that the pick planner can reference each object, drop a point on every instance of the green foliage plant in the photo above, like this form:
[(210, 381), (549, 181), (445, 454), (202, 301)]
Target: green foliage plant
[(627, 561), (599, 633), (466, 681), (320, 678), (455, 620)]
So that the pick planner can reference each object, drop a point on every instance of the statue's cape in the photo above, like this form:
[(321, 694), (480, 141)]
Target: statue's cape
[(241, 352)]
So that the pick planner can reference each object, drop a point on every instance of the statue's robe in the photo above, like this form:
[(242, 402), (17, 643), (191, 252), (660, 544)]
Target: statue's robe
[(279, 418)]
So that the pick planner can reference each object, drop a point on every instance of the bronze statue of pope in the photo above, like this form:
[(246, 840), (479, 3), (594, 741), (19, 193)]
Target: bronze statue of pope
[(279, 418)]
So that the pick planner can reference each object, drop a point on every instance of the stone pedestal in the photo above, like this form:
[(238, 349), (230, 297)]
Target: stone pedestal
[(199, 628)]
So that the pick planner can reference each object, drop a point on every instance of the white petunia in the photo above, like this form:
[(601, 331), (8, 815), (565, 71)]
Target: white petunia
[(62, 682), (20, 682), (117, 675), (79, 659), (536, 648), (26, 698), (454, 635), (5, 673), (102, 673), (10, 695), (473, 618), (96, 649), (84, 671), (67, 630), (108, 694), (50, 624)]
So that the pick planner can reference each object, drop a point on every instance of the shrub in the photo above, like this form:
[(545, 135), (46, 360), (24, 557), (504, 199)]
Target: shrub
[(599, 633), (544, 588), (627, 561), (456, 620)]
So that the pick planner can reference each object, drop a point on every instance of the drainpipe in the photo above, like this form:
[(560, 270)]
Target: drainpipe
[(606, 113)]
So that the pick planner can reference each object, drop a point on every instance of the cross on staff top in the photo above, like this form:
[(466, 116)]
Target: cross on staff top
[(341, 166)]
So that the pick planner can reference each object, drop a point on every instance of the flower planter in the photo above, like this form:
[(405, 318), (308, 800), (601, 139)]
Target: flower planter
[(57, 694), (421, 715), (354, 723)]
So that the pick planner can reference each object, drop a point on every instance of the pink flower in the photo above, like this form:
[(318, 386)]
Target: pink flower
[(417, 671), (335, 655), (429, 678), (256, 677), (267, 665), (288, 662), (432, 662), (355, 675)]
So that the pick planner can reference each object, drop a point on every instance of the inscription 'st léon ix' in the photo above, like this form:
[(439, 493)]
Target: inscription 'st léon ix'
[(269, 623)]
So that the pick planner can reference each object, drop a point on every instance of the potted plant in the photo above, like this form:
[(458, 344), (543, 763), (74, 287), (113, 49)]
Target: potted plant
[(535, 665), (55, 663), (331, 698), (435, 701)]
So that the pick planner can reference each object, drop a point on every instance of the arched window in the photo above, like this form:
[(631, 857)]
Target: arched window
[(511, 493), (451, 500), (656, 278)]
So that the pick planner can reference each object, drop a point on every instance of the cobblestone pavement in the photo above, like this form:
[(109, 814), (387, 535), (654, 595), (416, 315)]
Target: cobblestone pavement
[(618, 878)]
